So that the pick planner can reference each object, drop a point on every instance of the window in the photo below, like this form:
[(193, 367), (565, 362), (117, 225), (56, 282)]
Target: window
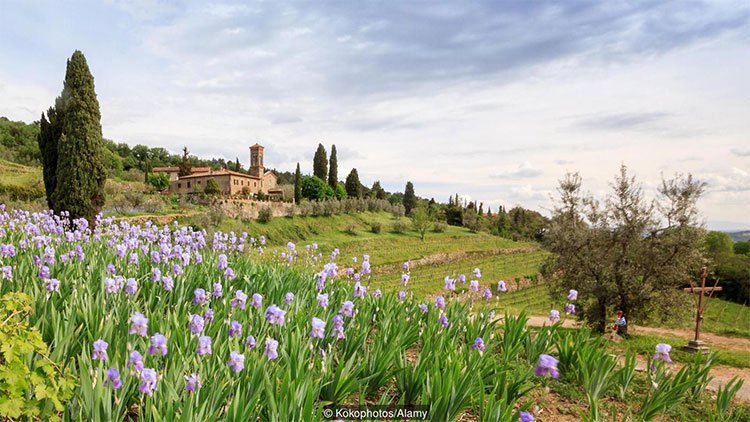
[(255, 184), (198, 182), (179, 185), (188, 185)]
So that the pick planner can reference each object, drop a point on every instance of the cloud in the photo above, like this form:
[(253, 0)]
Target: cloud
[(625, 121), (741, 152), (524, 171)]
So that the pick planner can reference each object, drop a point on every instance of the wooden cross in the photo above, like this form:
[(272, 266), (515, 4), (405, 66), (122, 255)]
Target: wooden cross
[(696, 344)]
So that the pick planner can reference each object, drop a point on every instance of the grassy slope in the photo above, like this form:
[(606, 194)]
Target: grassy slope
[(13, 174), (456, 251)]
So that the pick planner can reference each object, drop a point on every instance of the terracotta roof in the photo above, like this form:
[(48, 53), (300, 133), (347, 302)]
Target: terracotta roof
[(221, 173), (175, 169), (256, 145)]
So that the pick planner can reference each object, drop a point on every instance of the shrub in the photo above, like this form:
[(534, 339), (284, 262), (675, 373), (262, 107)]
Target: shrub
[(31, 384), (212, 188), (375, 227), (351, 229), (439, 227), (398, 227), (160, 181), (265, 214), (291, 211)]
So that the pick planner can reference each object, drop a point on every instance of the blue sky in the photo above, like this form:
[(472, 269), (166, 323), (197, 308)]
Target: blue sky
[(495, 100)]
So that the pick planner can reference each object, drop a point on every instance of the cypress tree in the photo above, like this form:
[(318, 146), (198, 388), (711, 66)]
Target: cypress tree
[(481, 208), (353, 186), (50, 128), (184, 165), (80, 173), (297, 185), (377, 191), (410, 199), (320, 163), (237, 166), (333, 169)]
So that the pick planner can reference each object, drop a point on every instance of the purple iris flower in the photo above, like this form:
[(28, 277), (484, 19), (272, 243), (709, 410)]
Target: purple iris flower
[(204, 346), (338, 327), (476, 273), (323, 300), (288, 298), (450, 284), (131, 286), (462, 279), (44, 272), (200, 297), (167, 283), (139, 324), (148, 381), (158, 345), (271, 351), (570, 309), (250, 342), (360, 290), (240, 299), (100, 350), (229, 273), (235, 329), (155, 274), (275, 315), (217, 290), (318, 328), (405, 266), (377, 294), (113, 378), (572, 295), (208, 316), (478, 344), (196, 324), (440, 302), (444, 321), (135, 361), (7, 272), (547, 366), (423, 308), (347, 308), (501, 287), (526, 417), (52, 285), (223, 263), (662, 352), (474, 286), (487, 294), (554, 315), (257, 300), (401, 295), (404, 279), (192, 382)]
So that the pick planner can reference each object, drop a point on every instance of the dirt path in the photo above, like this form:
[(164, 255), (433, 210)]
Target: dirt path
[(721, 374)]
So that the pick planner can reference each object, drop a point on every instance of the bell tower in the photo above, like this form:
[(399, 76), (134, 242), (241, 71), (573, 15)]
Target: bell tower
[(256, 161)]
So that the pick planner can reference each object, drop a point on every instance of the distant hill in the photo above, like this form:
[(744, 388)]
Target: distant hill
[(741, 236)]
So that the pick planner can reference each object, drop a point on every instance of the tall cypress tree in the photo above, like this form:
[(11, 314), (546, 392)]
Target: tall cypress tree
[(353, 186), (320, 163), (184, 165), (297, 185), (333, 169), (50, 128), (237, 166), (410, 199), (80, 173)]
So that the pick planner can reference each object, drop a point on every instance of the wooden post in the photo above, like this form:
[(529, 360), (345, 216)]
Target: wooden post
[(696, 345)]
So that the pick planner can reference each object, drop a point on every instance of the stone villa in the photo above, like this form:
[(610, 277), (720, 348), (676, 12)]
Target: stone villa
[(231, 183)]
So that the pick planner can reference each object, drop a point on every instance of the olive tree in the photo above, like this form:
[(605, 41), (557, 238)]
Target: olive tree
[(628, 252)]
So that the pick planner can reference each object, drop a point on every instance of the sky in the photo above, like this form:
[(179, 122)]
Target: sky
[(494, 100)]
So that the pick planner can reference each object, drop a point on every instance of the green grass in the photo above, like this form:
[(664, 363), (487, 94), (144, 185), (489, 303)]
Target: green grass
[(429, 280), (645, 345), (721, 317), (12, 174)]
